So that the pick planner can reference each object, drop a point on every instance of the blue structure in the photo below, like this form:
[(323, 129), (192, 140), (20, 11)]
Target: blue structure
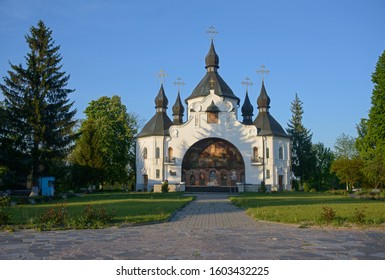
[(47, 186)]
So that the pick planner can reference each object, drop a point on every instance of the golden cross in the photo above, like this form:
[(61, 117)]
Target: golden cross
[(179, 83), (263, 71), (212, 83), (212, 32), (161, 75), (247, 83)]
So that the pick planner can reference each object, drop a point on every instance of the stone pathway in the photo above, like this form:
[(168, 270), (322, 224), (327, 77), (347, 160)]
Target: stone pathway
[(208, 228)]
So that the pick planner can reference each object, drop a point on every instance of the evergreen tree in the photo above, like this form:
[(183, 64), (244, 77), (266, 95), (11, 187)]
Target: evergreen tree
[(36, 101), (301, 138), (371, 141), (106, 146), (322, 178)]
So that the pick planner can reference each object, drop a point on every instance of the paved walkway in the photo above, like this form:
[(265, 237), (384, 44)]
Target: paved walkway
[(208, 228)]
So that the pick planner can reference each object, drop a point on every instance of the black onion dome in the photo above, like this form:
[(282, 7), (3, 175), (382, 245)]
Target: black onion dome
[(212, 58), (161, 100), (178, 108), (247, 108), (263, 99), (212, 79)]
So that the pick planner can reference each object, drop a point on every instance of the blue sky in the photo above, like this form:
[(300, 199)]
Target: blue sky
[(325, 51)]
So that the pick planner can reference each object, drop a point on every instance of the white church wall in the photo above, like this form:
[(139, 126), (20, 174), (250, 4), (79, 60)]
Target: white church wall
[(153, 165)]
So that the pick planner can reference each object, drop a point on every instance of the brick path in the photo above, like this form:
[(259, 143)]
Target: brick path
[(208, 228)]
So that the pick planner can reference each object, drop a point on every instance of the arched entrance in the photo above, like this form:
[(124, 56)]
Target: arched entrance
[(217, 161)]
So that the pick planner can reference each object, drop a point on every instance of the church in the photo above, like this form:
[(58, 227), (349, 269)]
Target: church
[(213, 146)]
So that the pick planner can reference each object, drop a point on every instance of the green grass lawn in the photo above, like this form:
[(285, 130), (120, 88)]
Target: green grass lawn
[(307, 209), (130, 208)]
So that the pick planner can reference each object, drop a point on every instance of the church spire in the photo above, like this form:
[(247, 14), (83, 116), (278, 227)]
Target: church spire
[(212, 59), (178, 110), (247, 110)]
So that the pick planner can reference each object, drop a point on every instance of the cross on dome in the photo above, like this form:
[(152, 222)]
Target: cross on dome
[(161, 75), (212, 32), (262, 71), (247, 83)]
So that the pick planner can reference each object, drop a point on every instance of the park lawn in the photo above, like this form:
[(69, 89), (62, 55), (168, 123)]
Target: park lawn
[(308, 209), (125, 208)]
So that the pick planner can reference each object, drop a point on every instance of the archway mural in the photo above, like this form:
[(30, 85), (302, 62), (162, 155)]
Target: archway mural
[(217, 161)]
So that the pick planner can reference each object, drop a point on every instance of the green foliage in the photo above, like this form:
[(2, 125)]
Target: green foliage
[(39, 129), (93, 217), (54, 217), (345, 147), (328, 214), (371, 131), (262, 189), (97, 210), (105, 152), (349, 171), (359, 215), (321, 178), (306, 208), (302, 156), (165, 188), (5, 216)]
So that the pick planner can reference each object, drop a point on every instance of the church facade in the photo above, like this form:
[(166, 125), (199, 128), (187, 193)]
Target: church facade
[(213, 147)]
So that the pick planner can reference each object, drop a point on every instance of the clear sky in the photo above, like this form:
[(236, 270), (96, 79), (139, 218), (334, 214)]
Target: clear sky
[(325, 51)]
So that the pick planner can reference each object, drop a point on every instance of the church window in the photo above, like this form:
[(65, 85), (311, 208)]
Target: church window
[(157, 152), (267, 173), (212, 117), (145, 153), (170, 154), (157, 173), (267, 153), (255, 154), (280, 153)]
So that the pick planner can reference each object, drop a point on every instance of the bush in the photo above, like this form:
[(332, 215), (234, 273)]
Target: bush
[(4, 214), (263, 189), (165, 188), (328, 214), (55, 217), (306, 187), (359, 215), (93, 217)]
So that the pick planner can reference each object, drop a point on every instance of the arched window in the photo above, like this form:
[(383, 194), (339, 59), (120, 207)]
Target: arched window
[(157, 152), (255, 154), (170, 154), (145, 153), (280, 153)]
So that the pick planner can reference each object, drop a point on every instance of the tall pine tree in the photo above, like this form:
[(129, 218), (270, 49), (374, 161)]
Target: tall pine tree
[(36, 100), (371, 140), (301, 149)]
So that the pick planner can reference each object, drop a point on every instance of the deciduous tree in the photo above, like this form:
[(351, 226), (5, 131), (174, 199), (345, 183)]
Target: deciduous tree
[(106, 145)]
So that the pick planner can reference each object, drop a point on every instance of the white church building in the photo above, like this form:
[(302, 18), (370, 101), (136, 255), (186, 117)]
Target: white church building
[(213, 147)]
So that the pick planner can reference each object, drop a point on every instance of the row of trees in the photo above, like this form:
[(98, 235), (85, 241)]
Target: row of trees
[(40, 136), (356, 162)]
